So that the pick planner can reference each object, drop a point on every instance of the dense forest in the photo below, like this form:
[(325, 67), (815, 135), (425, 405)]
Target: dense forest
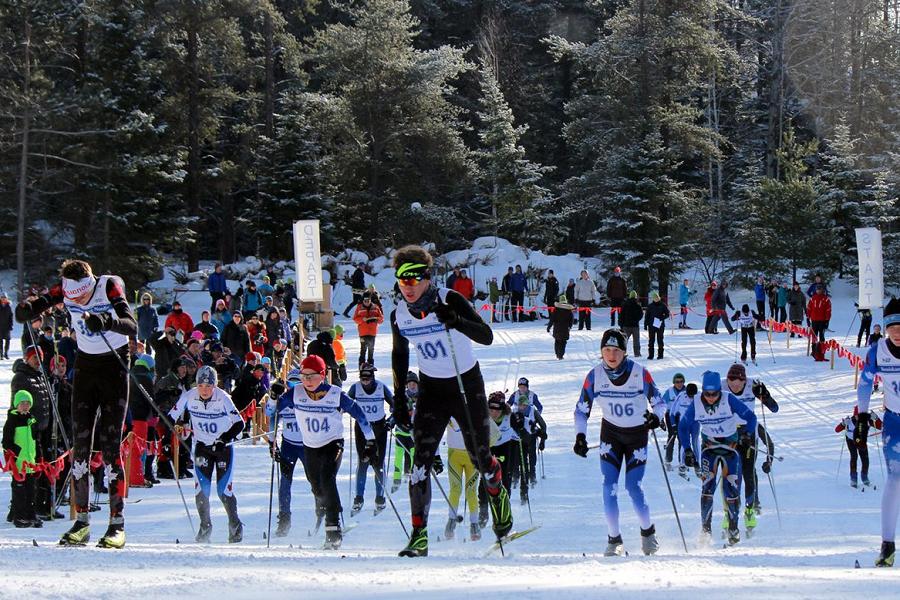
[(753, 135)]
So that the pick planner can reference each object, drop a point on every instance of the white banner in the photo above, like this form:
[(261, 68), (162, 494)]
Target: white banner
[(308, 261), (871, 274)]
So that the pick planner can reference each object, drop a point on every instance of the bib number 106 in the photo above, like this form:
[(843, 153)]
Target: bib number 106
[(620, 410), (432, 350)]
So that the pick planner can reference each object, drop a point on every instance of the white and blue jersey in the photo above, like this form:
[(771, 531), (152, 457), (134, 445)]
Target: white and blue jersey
[(507, 433), (210, 419), (371, 404), (290, 430), (532, 399), (622, 405), (746, 395), (320, 420), (718, 423), (100, 302), (672, 397), (880, 361)]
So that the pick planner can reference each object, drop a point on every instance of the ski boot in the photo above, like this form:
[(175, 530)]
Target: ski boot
[(235, 532), (78, 535), (886, 558), (148, 471), (734, 536), (523, 500), (649, 543), (749, 520), (614, 546), (683, 471), (418, 543), (450, 528), (395, 486), (333, 537), (379, 504), (204, 533), (357, 506), (482, 516), (23, 523), (501, 512), (705, 535), (114, 537), (284, 524), (474, 532), (865, 480), (854, 482)]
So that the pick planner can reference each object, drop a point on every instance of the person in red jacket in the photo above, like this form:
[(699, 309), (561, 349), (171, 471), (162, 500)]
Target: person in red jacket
[(368, 316), (819, 311), (180, 320), (709, 310), (463, 284), (257, 333)]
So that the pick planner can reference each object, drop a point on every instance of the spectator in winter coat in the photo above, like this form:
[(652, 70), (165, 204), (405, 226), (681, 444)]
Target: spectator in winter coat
[(367, 318), (223, 363), (321, 347), (257, 332), (220, 317), (6, 325), (147, 320), (811, 290), (66, 348), (235, 303), (252, 300), (290, 297), (265, 288), (167, 348), (819, 311), (781, 301), (684, 298), (358, 285), (216, 286), (721, 300), (463, 284), (206, 327), (759, 293), (236, 338), (570, 291), (274, 330), (865, 324), (796, 305), (707, 296), (551, 289), (630, 321), (585, 297), (452, 277), (616, 290), (518, 285), (655, 322), (47, 345), (772, 293), (494, 299), (560, 321), (180, 320)]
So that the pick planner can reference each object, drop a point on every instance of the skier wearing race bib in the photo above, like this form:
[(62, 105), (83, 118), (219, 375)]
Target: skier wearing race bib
[(403, 449), (215, 423), (442, 325), (100, 312), (621, 388), (719, 415), (290, 451), (318, 406), (883, 359), (371, 396)]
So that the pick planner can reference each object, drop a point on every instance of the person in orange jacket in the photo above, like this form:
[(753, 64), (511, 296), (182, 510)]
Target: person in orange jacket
[(857, 448), (368, 317), (819, 312), (340, 353)]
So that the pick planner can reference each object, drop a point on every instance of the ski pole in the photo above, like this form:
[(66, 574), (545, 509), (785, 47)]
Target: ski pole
[(53, 398), (880, 455), (523, 480), (543, 473), (671, 496), (264, 434), (459, 518), (162, 417), (837, 473), (391, 501), (350, 481), (849, 329), (272, 479), (769, 474)]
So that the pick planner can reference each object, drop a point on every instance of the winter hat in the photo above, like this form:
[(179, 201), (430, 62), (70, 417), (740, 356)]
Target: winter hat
[(313, 362), (192, 341), (176, 362), (293, 378), (523, 381), (269, 299), (23, 396), (338, 330), (31, 351), (216, 347), (677, 376), (691, 389), (654, 296), (188, 361), (892, 313), (325, 337), (207, 374), (496, 400), (250, 356), (219, 303), (411, 376), (737, 371), (59, 359), (146, 296), (613, 338), (266, 360), (632, 294), (712, 381), (142, 363), (745, 308), (367, 368)]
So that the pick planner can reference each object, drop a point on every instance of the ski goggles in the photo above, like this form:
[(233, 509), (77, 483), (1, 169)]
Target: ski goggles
[(409, 274)]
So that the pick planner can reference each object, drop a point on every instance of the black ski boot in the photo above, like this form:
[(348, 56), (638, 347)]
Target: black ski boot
[(501, 512), (333, 537), (235, 527), (418, 543), (284, 524), (482, 516), (379, 504), (204, 533), (357, 506), (614, 546), (886, 557)]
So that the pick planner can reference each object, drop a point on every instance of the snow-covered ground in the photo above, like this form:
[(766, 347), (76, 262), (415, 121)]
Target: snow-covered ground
[(825, 525)]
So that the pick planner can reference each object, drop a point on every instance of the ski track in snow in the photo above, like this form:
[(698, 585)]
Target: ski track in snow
[(826, 524)]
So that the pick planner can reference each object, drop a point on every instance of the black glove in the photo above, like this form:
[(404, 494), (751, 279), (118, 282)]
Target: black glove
[(218, 447), (541, 443), (581, 447), (746, 438), (757, 389), (438, 465), (767, 466), (342, 372), (446, 315), (370, 452), (862, 428), (402, 418), (98, 322), (651, 420), (689, 459), (277, 390), (274, 453), (389, 423)]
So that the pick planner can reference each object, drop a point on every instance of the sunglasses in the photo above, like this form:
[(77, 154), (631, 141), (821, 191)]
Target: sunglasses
[(410, 281), (309, 376), (710, 393), (736, 379)]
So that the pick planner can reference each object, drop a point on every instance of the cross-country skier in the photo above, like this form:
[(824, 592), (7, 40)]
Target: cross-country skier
[(673, 396), (318, 406), (290, 451), (718, 414), (678, 409), (858, 449), (749, 321), (748, 390), (504, 446), (621, 388), (101, 313), (215, 423), (403, 449), (463, 476), (883, 359), (442, 325), (371, 396), (530, 426)]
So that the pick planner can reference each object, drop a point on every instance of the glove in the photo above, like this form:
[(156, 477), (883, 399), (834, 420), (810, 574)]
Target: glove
[(438, 465), (767, 466), (342, 372), (581, 447), (370, 452), (689, 459), (746, 438), (277, 390), (96, 323), (862, 427), (401, 418), (541, 444), (274, 453), (218, 447), (446, 315), (757, 389), (651, 420), (389, 423)]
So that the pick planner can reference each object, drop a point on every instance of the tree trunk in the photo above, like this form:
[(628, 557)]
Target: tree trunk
[(270, 79), (193, 175), (23, 165)]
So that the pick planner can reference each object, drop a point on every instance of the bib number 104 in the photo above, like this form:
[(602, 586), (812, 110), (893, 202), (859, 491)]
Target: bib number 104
[(432, 350), (316, 425)]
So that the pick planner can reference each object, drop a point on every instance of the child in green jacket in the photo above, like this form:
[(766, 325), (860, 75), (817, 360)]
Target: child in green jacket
[(19, 434)]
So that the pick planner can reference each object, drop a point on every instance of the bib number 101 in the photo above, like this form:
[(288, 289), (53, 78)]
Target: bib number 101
[(432, 350)]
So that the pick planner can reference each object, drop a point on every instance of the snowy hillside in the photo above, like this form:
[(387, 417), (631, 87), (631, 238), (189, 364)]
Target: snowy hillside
[(825, 527)]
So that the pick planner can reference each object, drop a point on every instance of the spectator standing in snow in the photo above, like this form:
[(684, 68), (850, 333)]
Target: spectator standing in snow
[(560, 321), (684, 298), (759, 292), (216, 285), (796, 305), (585, 297), (551, 289), (616, 290), (630, 321), (518, 285), (464, 285), (147, 320), (180, 320), (819, 311), (358, 286), (655, 322)]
